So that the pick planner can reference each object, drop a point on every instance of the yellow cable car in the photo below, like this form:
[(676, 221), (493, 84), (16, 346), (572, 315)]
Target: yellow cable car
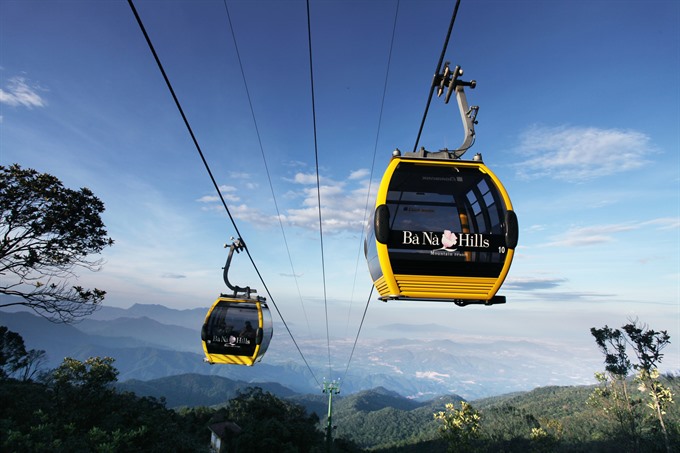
[(442, 229), (238, 328), (236, 331)]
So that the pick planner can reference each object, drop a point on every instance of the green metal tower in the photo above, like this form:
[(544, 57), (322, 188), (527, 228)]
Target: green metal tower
[(332, 388)]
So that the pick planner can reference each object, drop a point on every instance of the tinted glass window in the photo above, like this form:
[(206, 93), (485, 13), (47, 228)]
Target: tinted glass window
[(441, 215), (232, 328)]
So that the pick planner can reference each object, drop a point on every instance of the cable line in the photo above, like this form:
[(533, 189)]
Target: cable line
[(368, 195), (375, 151), (318, 187), (356, 340), (212, 178), (436, 73), (264, 160)]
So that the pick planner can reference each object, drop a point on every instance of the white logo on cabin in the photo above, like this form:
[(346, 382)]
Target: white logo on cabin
[(448, 240)]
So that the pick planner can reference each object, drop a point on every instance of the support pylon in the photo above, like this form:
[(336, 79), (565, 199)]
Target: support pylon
[(332, 388)]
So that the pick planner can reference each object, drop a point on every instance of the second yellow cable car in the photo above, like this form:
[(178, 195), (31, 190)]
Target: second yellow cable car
[(238, 327)]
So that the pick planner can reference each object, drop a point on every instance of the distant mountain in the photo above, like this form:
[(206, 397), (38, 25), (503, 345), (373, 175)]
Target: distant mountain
[(59, 340), (196, 389), (153, 341), (159, 313), (147, 330), (378, 398)]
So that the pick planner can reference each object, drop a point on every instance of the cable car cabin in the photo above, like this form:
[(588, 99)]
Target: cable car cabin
[(442, 230), (236, 331)]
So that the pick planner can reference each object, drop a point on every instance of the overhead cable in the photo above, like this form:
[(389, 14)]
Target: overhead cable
[(318, 188), (266, 167), (368, 192), (436, 73), (212, 178)]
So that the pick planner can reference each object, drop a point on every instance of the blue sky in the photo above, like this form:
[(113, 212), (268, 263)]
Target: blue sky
[(579, 117)]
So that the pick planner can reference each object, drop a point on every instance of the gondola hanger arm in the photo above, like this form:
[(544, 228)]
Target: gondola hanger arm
[(450, 80), (237, 245)]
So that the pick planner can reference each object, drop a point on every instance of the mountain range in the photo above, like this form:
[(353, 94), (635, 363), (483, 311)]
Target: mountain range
[(152, 342)]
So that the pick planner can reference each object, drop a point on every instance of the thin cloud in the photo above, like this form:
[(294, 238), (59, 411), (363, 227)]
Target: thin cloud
[(572, 296), (238, 175), (590, 235), (359, 174), (227, 193), (665, 223), (173, 276), (19, 94), (533, 283), (296, 275), (578, 154), (599, 234), (536, 227), (414, 328)]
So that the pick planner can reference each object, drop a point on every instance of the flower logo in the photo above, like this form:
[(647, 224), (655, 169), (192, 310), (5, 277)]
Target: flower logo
[(449, 239)]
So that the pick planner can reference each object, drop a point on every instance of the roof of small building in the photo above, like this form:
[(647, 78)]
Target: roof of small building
[(222, 428)]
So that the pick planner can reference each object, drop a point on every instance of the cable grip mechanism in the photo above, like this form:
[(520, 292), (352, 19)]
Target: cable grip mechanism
[(450, 81)]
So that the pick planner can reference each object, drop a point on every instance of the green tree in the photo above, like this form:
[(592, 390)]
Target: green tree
[(647, 345), (459, 427), (79, 410), (95, 373), (15, 360), (47, 232), (615, 396), (271, 424), (508, 427)]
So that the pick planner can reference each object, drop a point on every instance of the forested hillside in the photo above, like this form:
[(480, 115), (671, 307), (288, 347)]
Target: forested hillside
[(78, 406), (545, 419)]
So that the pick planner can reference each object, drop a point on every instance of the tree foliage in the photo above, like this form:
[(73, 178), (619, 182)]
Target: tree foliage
[(15, 360), (271, 424), (616, 396), (77, 409), (460, 427), (47, 232)]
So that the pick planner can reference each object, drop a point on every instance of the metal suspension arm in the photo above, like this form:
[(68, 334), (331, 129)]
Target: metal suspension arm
[(238, 245), (468, 114)]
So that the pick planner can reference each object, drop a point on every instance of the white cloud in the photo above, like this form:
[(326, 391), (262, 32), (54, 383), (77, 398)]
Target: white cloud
[(581, 153), (342, 207), (432, 375), (305, 178), (359, 174), (208, 199), (253, 216), (19, 93), (227, 193)]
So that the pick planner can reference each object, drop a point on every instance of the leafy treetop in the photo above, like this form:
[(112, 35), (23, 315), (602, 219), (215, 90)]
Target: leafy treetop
[(46, 232)]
